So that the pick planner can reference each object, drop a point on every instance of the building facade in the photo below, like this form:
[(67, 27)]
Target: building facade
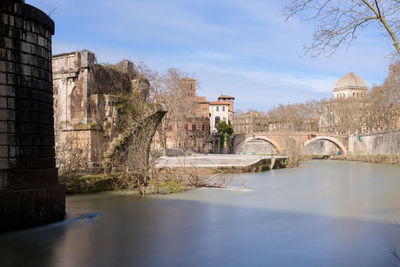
[(345, 114), (251, 122), (221, 110)]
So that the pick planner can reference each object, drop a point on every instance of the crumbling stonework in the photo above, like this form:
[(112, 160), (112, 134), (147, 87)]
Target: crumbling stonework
[(29, 190), (91, 103)]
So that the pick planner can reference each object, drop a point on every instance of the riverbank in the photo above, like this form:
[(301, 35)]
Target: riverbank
[(221, 163), (378, 158), (173, 174)]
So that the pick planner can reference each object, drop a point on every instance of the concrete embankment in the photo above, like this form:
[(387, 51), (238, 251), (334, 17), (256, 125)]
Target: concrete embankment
[(221, 163)]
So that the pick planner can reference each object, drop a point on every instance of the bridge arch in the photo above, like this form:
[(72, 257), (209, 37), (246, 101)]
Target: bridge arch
[(263, 138), (333, 140)]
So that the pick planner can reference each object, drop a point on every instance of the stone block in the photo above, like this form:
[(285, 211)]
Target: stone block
[(3, 151), (7, 43), (3, 78), (12, 79), (3, 103), (4, 114), (12, 151), (10, 127), (4, 19), (3, 127), (3, 54), (4, 164), (27, 25), (11, 103), (31, 38), (18, 22), (3, 180), (6, 90), (25, 47)]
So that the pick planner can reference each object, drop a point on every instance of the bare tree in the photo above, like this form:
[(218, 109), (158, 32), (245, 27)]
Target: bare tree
[(343, 21), (175, 100), (385, 100)]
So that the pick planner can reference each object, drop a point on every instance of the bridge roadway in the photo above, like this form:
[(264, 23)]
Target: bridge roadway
[(211, 160), (280, 140)]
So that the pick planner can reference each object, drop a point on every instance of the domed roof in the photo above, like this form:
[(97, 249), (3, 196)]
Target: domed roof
[(350, 80)]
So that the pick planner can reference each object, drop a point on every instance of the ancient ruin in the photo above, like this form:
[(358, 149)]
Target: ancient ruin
[(102, 113)]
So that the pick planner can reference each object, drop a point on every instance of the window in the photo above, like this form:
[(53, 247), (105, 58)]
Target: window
[(203, 126), (217, 120), (223, 108), (193, 127), (217, 108), (186, 127)]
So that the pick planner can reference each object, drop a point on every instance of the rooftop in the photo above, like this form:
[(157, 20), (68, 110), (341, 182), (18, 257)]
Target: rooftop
[(226, 96), (351, 80)]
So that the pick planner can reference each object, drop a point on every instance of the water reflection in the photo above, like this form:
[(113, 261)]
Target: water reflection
[(323, 214)]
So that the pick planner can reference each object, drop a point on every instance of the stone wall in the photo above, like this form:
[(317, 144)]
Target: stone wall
[(29, 190), (382, 142)]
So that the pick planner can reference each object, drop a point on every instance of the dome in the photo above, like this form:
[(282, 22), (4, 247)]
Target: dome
[(350, 80)]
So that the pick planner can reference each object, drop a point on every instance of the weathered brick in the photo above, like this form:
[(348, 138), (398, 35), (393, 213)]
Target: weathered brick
[(6, 90), (3, 114), (3, 127), (12, 151), (3, 103), (25, 47), (3, 151), (11, 20), (3, 78), (12, 79), (11, 103), (4, 18), (10, 127), (8, 43), (4, 164)]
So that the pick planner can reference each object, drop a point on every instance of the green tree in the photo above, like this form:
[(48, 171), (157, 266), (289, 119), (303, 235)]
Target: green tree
[(224, 128), (225, 132)]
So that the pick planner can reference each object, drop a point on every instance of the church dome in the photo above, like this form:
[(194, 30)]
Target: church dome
[(350, 80)]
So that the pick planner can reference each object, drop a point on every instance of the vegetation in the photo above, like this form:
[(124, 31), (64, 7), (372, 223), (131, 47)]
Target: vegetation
[(340, 22), (225, 132), (173, 96), (91, 183)]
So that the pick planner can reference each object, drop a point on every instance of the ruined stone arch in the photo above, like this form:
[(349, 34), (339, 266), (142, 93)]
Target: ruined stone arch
[(333, 140), (264, 138)]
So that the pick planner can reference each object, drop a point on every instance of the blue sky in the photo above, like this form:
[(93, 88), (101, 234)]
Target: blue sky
[(242, 48)]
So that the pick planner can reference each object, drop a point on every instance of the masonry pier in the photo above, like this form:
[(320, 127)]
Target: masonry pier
[(29, 190)]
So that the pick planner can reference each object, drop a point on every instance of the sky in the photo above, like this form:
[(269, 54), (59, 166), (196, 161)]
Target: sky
[(242, 48)]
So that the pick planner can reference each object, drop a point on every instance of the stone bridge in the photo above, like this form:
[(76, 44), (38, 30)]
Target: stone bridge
[(280, 141)]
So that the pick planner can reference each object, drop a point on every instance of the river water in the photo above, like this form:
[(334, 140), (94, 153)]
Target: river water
[(325, 213)]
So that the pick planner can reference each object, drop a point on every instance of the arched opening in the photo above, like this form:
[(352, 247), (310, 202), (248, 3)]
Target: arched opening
[(323, 146), (258, 146)]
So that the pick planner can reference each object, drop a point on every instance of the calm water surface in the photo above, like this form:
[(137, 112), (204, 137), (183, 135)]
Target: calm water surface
[(325, 213)]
